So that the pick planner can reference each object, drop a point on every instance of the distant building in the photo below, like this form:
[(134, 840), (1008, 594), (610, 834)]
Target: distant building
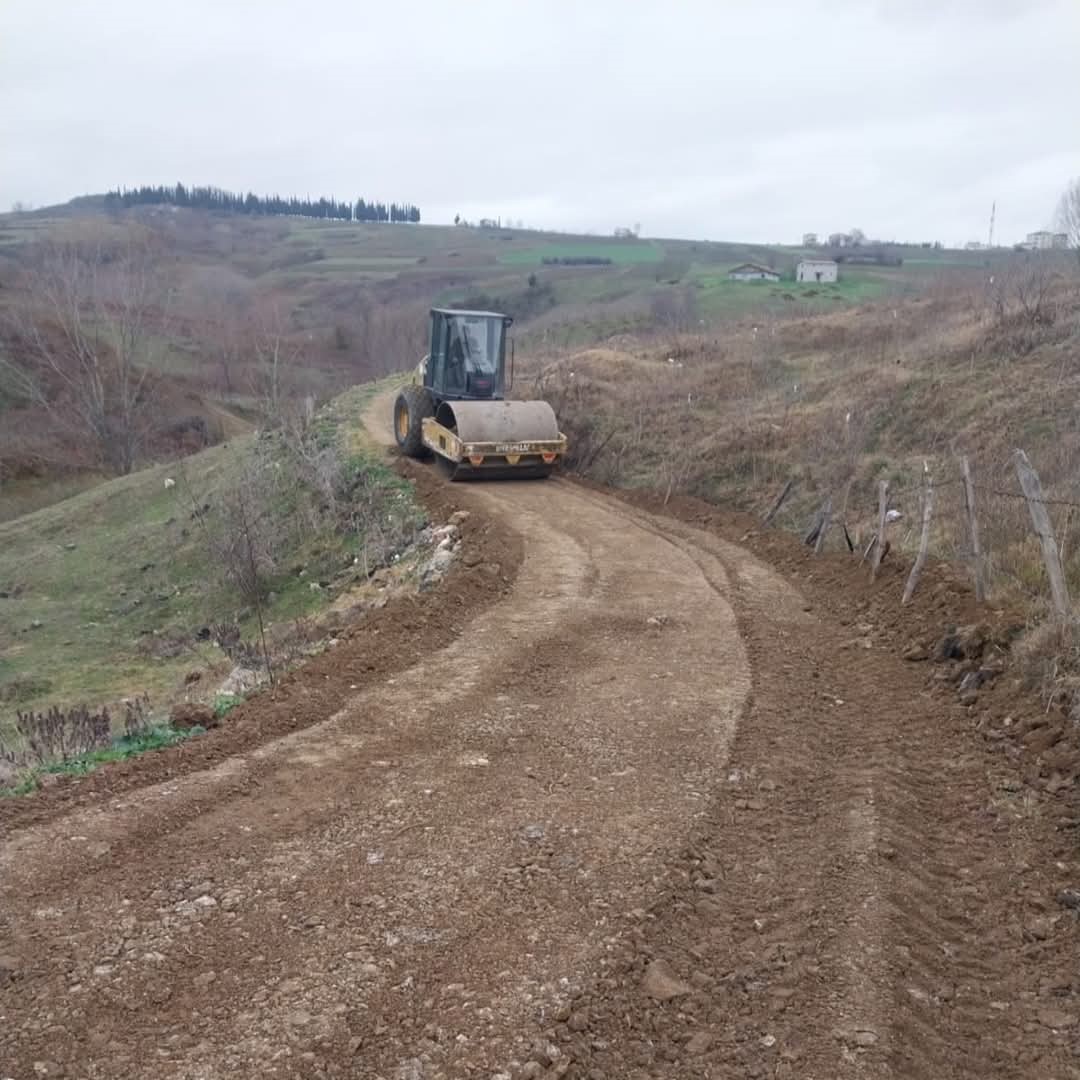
[(809, 239), (974, 245), (839, 240), (1059, 241), (817, 270), (752, 272), (1041, 240)]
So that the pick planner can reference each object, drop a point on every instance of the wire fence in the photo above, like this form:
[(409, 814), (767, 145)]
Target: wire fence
[(1012, 539)]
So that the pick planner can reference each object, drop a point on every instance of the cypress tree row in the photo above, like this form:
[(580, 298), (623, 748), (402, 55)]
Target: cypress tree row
[(212, 198)]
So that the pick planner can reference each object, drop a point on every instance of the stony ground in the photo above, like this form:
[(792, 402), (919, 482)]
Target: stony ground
[(621, 798)]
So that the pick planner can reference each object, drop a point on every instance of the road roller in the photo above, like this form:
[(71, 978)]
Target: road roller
[(455, 407)]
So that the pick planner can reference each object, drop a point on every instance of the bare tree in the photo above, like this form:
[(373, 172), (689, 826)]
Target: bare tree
[(276, 356), (1068, 215), (389, 338), (1021, 292), (17, 383), (217, 303), (244, 536), (86, 330)]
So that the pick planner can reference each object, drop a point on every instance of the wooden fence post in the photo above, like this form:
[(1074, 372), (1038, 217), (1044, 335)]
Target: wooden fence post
[(815, 526), (779, 501), (924, 540), (973, 529), (1040, 519), (883, 508), (823, 528)]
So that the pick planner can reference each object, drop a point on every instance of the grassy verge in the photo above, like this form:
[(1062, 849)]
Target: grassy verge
[(108, 594), (122, 748)]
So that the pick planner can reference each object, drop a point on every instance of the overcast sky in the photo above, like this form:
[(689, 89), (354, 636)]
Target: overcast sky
[(718, 119)]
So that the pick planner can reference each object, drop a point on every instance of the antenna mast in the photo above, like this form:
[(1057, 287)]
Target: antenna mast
[(990, 239)]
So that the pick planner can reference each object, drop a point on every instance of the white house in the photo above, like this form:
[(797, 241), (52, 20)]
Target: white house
[(822, 270), (1044, 240), (752, 272)]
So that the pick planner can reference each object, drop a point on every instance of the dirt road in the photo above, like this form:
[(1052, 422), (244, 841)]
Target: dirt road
[(651, 813)]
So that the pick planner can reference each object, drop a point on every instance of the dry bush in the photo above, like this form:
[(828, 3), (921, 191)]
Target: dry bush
[(390, 338), (60, 734), (1029, 302), (840, 401), (246, 532), (379, 515), (85, 327), (1048, 659)]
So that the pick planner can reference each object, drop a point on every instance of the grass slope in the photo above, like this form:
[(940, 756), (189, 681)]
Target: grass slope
[(105, 590), (838, 401)]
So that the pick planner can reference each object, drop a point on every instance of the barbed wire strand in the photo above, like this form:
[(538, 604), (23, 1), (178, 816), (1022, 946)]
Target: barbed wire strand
[(1021, 495), (937, 485)]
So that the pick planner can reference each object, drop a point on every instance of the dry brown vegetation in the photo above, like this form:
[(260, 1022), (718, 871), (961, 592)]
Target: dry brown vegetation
[(842, 400), (129, 340), (838, 402)]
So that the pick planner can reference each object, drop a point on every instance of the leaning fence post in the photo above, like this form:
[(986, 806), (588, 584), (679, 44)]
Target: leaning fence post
[(1040, 519), (883, 509), (785, 491), (815, 526), (823, 528), (924, 539), (973, 528)]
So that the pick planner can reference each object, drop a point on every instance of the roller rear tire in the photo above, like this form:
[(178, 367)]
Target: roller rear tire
[(412, 406)]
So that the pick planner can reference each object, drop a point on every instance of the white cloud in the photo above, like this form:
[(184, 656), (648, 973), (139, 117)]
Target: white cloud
[(702, 119)]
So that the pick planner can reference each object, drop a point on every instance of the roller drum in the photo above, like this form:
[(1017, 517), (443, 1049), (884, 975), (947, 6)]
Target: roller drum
[(499, 421)]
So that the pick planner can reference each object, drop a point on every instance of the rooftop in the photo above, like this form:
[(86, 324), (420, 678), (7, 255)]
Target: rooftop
[(473, 314)]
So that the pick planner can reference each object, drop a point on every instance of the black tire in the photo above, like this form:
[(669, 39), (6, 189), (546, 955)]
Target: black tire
[(412, 406)]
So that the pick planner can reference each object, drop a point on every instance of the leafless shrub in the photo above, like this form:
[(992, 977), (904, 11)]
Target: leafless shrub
[(674, 309), (388, 338), (277, 357), (217, 303), (85, 325), (1068, 215), (1025, 299), (382, 520), (1048, 659), (292, 641), (245, 531), (136, 719), (60, 734), (244, 528)]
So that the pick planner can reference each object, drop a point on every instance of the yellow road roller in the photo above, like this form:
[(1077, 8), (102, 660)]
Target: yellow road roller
[(455, 408)]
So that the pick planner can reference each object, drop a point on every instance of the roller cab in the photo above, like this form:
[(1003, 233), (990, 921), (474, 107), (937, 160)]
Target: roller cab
[(455, 407)]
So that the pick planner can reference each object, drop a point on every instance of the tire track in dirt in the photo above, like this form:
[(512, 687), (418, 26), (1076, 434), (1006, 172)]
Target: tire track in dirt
[(777, 950), (473, 865), (410, 879), (848, 917)]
